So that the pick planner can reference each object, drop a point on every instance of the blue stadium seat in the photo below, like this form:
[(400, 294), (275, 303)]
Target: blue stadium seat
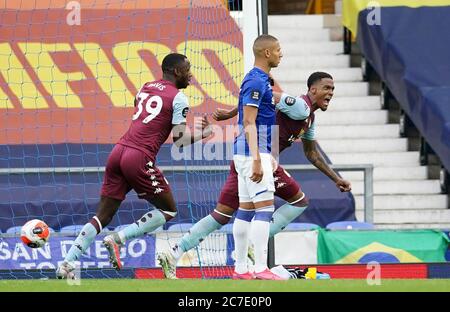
[(120, 227), (227, 228), (14, 230), (72, 229), (350, 225), (180, 227), (75, 229), (299, 226), (160, 229)]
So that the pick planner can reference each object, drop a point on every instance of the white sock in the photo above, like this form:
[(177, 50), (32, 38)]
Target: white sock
[(241, 230), (260, 240), (260, 236)]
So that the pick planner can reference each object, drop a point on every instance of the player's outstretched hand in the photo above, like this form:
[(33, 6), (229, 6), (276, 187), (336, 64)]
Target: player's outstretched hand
[(206, 127), (221, 114), (277, 96), (344, 185)]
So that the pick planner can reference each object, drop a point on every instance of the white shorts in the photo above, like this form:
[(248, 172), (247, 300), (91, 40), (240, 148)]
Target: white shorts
[(250, 191)]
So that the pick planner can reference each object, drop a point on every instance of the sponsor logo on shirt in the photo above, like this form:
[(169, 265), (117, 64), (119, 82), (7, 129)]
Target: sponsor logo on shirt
[(289, 100), (185, 111)]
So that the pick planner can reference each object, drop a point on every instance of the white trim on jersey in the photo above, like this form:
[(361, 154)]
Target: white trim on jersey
[(180, 106)]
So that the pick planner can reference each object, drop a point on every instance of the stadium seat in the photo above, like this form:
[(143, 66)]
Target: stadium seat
[(75, 229), (349, 225), (120, 227), (299, 226), (72, 229), (227, 228), (14, 230), (180, 227), (160, 229)]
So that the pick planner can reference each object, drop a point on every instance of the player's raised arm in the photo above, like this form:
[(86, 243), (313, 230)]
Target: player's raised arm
[(315, 157)]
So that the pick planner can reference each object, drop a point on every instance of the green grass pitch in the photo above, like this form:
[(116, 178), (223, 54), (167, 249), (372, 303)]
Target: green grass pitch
[(193, 285)]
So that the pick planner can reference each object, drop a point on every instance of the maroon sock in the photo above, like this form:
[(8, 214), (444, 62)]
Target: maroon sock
[(95, 224)]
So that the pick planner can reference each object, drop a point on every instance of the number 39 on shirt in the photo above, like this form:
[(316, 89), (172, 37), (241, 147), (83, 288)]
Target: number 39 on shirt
[(153, 105)]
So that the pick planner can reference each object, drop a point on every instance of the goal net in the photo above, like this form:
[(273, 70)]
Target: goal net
[(69, 71)]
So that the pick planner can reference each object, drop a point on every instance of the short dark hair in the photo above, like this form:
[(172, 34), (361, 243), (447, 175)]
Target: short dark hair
[(171, 61), (265, 37), (261, 43), (317, 76)]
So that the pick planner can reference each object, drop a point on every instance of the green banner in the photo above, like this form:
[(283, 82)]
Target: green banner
[(381, 246)]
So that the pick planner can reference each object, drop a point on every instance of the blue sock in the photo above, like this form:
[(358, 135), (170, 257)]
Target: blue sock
[(283, 216), (146, 224), (241, 232), (82, 242), (198, 232)]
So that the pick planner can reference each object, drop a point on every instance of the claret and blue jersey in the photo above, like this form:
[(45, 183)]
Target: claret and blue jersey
[(256, 91)]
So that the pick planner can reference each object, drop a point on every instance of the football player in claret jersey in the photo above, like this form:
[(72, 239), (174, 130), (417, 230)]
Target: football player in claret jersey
[(160, 108), (296, 120)]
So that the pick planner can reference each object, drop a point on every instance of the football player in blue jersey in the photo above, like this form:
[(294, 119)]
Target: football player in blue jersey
[(253, 161)]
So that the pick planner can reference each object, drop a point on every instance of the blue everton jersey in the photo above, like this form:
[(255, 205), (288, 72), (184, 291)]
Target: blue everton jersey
[(256, 91)]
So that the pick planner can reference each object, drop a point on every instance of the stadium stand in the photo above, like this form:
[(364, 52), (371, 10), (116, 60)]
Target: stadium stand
[(17, 229), (14, 230), (227, 228), (72, 229), (298, 226), (395, 53), (179, 227), (120, 227)]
